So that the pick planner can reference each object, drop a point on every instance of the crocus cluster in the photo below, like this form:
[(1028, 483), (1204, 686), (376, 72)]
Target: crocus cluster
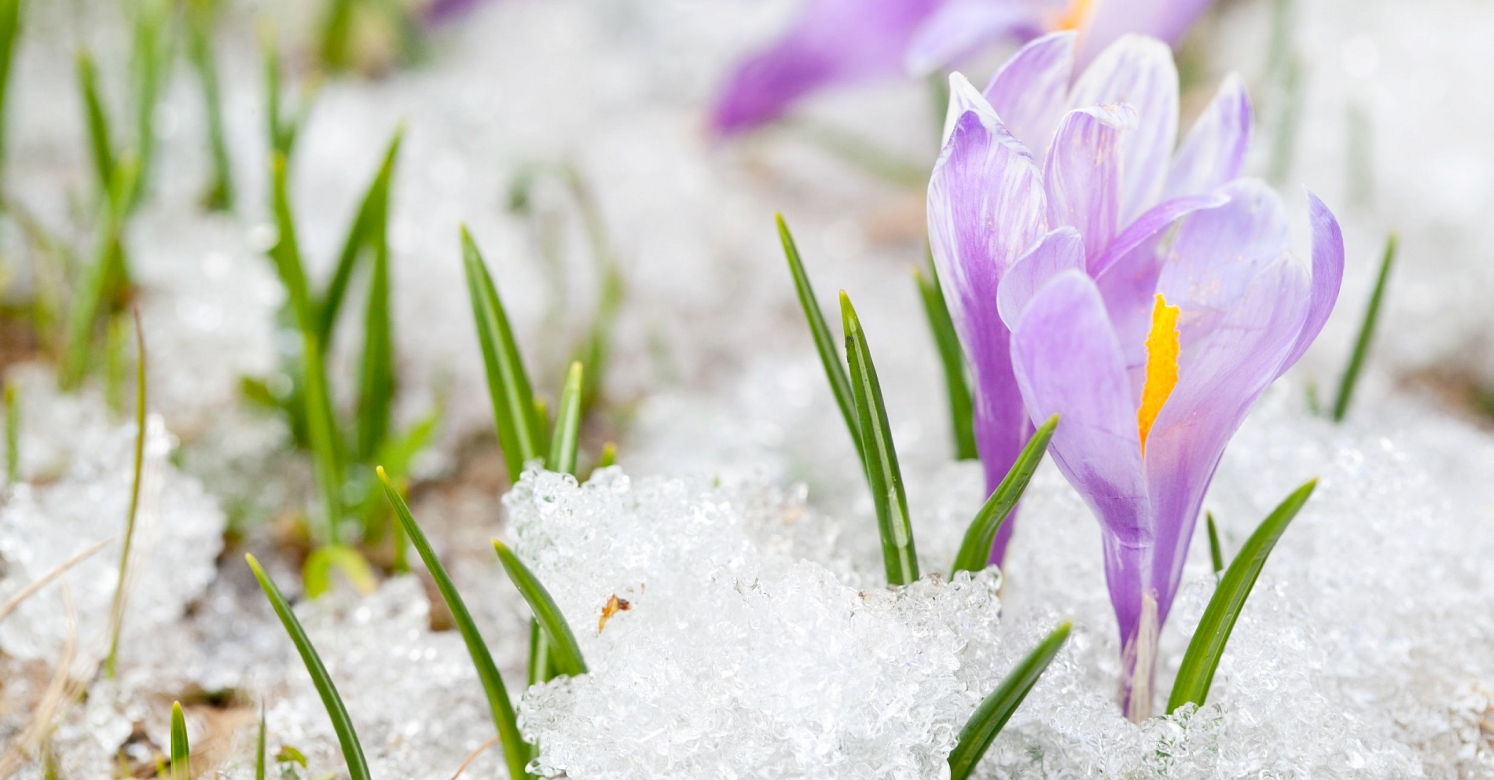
[(1147, 296), (840, 42)]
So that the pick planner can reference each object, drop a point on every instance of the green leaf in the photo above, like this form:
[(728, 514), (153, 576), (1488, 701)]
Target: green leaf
[(202, 17), (116, 609), (609, 455), (541, 663), (316, 574), (181, 752), (377, 382), (824, 343), (288, 754), (961, 407), (336, 37), (151, 59), (1366, 335), (1216, 554), (1196, 673), (287, 252), (326, 444), (520, 429), (12, 434), (880, 456), (352, 752), (564, 652), (370, 230), (515, 750), (100, 142), (567, 424), (992, 714), (10, 32), (975, 550), (259, 746)]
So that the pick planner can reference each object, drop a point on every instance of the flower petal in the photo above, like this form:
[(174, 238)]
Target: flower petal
[(1228, 371), (1165, 19), (1083, 173), (1214, 151), (961, 27), (1031, 91), (1327, 275), (1138, 71), (964, 98), (832, 42), (1059, 251), (1067, 362)]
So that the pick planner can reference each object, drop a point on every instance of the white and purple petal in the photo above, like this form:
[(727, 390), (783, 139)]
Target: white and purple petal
[(1082, 176), (1327, 275), (1031, 91), (1214, 150), (1165, 19), (1058, 251)]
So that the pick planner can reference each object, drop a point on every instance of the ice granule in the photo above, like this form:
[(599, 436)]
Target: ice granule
[(738, 656), (77, 467)]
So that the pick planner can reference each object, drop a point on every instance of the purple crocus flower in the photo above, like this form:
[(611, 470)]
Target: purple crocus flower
[(1037, 176), (841, 42)]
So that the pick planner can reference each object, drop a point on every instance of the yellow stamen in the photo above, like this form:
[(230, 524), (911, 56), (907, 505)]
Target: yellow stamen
[(1076, 16), (1161, 366)]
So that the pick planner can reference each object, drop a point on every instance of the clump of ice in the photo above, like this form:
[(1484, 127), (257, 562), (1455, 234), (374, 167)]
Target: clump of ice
[(77, 469), (737, 656)]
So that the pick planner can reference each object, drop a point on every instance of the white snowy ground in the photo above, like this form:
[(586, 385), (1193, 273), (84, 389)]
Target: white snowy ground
[(1365, 651)]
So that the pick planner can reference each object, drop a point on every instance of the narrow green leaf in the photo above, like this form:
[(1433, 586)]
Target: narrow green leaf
[(100, 138), (10, 32), (377, 382), (541, 662), (181, 752), (316, 574), (997, 708), (880, 456), (337, 24), (1216, 553), (288, 754), (609, 455), (352, 752), (1366, 335), (567, 424), (259, 746), (824, 343), (12, 434), (564, 651), (287, 252), (520, 429), (202, 17), (1201, 660), (151, 58), (975, 550), (961, 407), (116, 608), (326, 447), (370, 230), (515, 750)]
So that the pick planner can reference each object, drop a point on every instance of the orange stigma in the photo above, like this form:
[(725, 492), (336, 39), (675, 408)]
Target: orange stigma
[(1162, 347), (1076, 16)]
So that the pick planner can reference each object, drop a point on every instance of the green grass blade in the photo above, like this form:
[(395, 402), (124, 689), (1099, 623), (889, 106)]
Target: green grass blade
[(10, 32), (609, 455), (515, 750), (352, 752), (975, 550), (961, 407), (326, 443), (336, 35), (116, 608), (202, 17), (564, 652), (992, 714), (316, 574), (12, 434), (1216, 553), (377, 382), (541, 663), (151, 60), (824, 343), (880, 456), (181, 752), (259, 747), (1366, 335), (100, 138), (1196, 673), (567, 424), (287, 251), (369, 230), (520, 429)]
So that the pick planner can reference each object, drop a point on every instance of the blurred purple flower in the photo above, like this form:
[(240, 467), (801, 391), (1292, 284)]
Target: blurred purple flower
[(1001, 224), (839, 42), (441, 11)]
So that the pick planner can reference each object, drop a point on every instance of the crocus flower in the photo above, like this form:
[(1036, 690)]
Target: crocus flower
[(1037, 176), (841, 42)]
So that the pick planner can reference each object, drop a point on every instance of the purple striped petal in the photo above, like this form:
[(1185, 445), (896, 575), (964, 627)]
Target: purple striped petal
[(1214, 151), (962, 27), (832, 42), (1031, 91), (1083, 173), (1327, 275), (1165, 19), (1067, 362), (1217, 385), (1059, 251), (1138, 71)]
